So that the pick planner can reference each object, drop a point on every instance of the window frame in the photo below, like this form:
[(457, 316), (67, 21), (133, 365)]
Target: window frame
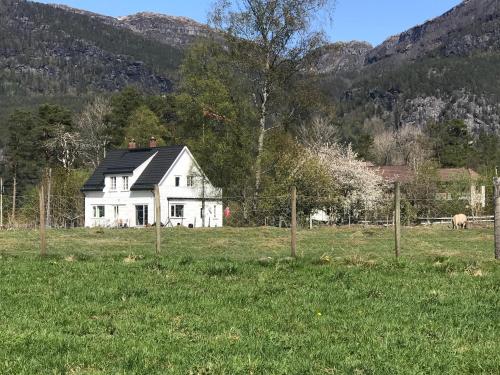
[(174, 213), (125, 182), (145, 215), (96, 209), (113, 183), (190, 181)]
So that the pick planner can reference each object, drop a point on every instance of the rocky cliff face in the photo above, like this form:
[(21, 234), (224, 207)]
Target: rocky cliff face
[(175, 31), (471, 26), (338, 58)]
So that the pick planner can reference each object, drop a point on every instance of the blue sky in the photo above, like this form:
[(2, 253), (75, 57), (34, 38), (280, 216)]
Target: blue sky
[(369, 20)]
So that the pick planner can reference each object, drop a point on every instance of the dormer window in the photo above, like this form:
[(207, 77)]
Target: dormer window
[(125, 183), (113, 183), (177, 181)]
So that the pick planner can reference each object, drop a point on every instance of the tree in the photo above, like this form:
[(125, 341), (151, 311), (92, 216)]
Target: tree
[(123, 105), (270, 41), (65, 146), (358, 187), (95, 130), (144, 124), (213, 113), (409, 146), (452, 143), (23, 141)]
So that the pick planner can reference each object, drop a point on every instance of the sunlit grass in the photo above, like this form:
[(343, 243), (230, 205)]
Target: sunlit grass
[(229, 301)]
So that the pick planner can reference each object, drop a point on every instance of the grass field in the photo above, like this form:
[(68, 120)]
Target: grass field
[(101, 303)]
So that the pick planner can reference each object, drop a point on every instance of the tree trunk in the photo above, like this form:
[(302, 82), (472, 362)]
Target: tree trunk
[(260, 144)]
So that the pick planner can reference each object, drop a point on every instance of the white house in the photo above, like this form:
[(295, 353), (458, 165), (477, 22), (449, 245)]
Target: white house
[(120, 193)]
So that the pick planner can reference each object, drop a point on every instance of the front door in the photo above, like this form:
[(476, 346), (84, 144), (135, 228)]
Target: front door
[(141, 215)]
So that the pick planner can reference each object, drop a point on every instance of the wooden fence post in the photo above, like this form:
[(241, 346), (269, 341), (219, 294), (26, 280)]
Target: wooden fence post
[(397, 218), (157, 219), (43, 239), (294, 222), (496, 182)]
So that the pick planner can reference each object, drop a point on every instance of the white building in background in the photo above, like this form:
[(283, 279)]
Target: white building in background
[(120, 193)]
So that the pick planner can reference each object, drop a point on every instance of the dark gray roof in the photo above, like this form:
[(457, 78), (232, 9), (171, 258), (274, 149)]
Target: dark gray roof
[(126, 161)]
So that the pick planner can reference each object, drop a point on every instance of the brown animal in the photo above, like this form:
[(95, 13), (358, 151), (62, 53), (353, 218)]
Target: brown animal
[(459, 221)]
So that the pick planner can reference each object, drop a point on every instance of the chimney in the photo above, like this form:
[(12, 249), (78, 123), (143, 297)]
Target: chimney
[(153, 143), (131, 144)]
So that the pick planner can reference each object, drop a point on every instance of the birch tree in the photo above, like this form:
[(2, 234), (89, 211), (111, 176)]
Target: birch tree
[(95, 130), (65, 146), (271, 40)]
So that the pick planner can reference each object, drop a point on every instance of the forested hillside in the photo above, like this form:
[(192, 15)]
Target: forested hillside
[(52, 53)]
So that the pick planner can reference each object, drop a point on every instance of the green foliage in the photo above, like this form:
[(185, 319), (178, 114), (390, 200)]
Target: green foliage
[(24, 140), (452, 143), (142, 125), (214, 117)]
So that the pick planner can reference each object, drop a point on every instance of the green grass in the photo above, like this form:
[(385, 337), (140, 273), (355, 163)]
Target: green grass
[(101, 303)]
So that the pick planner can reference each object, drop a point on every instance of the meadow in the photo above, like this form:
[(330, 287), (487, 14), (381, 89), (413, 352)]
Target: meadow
[(230, 301)]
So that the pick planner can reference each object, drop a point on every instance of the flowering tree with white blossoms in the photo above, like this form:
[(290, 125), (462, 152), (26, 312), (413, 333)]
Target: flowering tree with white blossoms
[(358, 187)]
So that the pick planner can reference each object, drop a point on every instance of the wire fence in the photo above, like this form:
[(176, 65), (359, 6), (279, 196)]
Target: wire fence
[(255, 211), (308, 212)]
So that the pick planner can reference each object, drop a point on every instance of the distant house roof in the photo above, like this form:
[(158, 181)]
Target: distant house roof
[(403, 173), (127, 160)]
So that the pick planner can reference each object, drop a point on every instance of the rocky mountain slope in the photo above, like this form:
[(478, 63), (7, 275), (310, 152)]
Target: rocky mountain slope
[(470, 26), (174, 31), (57, 53), (447, 68)]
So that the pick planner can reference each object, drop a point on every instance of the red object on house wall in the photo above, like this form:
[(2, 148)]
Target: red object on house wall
[(227, 212)]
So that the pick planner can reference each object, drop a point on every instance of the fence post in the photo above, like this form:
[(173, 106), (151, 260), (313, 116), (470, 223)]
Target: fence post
[(157, 219), (397, 218), (1, 202), (43, 240), (294, 222), (496, 181), (49, 192)]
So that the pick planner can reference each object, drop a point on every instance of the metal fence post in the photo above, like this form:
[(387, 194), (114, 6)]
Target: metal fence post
[(294, 222), (496, 182), (157, 219), (397, 218), (43, 239)]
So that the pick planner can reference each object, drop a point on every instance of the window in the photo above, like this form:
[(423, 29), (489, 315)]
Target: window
[(177, 181), (201, 212), (125, 182), (215, 212), (98, 211), (190, 181), (141, 215), (177, 210), (116, 211), (113, 183)]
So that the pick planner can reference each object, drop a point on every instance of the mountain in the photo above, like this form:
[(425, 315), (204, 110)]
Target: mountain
[(446, 68), (469, 27), (57, 53), (178, 32)]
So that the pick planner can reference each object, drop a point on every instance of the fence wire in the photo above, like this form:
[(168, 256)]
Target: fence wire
[(274, 211)]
